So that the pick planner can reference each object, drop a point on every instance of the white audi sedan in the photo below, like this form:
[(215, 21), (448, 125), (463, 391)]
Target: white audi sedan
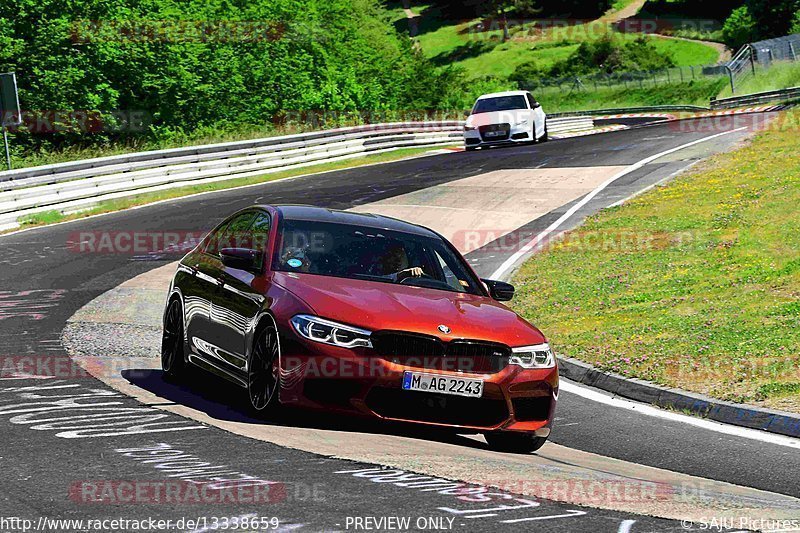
[(503, 118)]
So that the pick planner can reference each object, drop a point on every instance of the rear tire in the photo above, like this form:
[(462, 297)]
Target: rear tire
[(507, 441), (262, 370), (172, 357)]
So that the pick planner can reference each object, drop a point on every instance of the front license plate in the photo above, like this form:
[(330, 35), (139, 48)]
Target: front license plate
[(472, 388), (495, 133)]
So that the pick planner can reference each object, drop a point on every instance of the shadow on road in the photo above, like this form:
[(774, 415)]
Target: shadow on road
[(224, 401)]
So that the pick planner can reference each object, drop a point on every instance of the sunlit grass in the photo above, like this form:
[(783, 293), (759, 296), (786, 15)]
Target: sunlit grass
[(693, 285), (782, 75)]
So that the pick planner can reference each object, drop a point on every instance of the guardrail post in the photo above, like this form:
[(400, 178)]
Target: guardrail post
[(5, 143), (730, 74)]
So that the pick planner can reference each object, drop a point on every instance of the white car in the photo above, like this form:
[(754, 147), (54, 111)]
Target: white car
[(502, 118)]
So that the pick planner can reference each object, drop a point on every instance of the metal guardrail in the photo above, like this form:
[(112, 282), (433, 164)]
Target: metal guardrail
[(136, 161), (782, 96), (618, 111), (569, 124), (80, 185)]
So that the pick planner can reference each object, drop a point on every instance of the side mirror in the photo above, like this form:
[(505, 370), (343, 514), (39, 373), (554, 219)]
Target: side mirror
[(467, 113), (537, 105), (500, 290), (242, 259)]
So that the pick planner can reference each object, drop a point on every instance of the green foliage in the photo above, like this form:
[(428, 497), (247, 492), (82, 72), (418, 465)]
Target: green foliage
[(761, 19), (739, 28), (605, 55), (298, 56), (795, 24)]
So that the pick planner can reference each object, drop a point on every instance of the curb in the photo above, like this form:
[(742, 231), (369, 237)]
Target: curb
[(778, 422)]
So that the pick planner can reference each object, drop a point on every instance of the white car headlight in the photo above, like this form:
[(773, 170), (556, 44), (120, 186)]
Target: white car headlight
[(537, 356), (470, 128), (522, 122), (325, 331)]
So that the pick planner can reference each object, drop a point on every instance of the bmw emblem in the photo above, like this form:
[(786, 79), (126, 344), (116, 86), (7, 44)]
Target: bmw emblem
[(444, 329)]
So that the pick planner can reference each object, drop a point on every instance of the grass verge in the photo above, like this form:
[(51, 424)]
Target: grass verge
[(697, 92), (108, 206), (693, 285), (782, 75)]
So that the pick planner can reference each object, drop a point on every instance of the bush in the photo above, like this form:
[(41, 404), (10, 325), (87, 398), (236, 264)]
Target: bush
[(739, 29), (606, 55), (305, 55)]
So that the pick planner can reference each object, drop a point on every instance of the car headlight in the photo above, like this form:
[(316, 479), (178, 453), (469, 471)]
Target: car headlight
[(325, 331), (523, 122), (470, 128), (537, 356)]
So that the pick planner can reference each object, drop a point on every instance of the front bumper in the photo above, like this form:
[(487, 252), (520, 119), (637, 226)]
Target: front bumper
[(360, 382), (487, 135)]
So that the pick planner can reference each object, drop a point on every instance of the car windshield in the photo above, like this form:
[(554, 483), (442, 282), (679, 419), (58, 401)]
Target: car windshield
[(358, 252), (500, 103)]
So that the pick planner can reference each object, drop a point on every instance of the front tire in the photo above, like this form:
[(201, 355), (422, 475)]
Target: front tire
[(172, 358), (507, 441), (470, 148), (262, 370), (546, 136)]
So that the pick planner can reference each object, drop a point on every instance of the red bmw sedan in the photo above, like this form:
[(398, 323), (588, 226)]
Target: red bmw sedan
[(359, 314)]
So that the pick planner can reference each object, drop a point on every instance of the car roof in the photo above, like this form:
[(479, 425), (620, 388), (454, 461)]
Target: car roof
[(335, 216), (506, 93)]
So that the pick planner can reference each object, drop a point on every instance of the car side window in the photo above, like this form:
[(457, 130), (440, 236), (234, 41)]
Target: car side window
[(259, 231), (230, 235)]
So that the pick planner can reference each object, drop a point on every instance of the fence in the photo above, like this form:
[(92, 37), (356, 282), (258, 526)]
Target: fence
[(760, 56), (79, 185), (744, 64), (626, 80)]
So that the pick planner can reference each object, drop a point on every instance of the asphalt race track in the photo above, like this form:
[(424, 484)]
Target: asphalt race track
[(48, 459)]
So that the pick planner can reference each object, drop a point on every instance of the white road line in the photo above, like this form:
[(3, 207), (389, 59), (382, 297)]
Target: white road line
[(625, 526), (531, 245), (647, 410)]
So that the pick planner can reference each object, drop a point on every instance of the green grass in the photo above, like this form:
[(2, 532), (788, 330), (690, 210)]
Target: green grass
[(694, 284), (108, 206), (779, 76), (484, 54), (691, 93)]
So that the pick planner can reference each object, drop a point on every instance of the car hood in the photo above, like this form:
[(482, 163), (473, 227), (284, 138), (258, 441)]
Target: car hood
[(386, 306), (497, 117)]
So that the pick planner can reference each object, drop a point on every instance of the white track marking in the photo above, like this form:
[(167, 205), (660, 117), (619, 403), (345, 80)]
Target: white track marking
[(733, 431), (625, 526), (532, 244)]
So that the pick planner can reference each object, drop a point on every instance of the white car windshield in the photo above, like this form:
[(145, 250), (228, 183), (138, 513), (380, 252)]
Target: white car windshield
[(500, 103)]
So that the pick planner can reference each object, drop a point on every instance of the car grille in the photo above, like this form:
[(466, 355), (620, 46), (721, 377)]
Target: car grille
[(423, 351), (488, 130), (488, 411)]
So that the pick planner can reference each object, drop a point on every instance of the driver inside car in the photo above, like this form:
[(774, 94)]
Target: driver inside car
[(394, 263)]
